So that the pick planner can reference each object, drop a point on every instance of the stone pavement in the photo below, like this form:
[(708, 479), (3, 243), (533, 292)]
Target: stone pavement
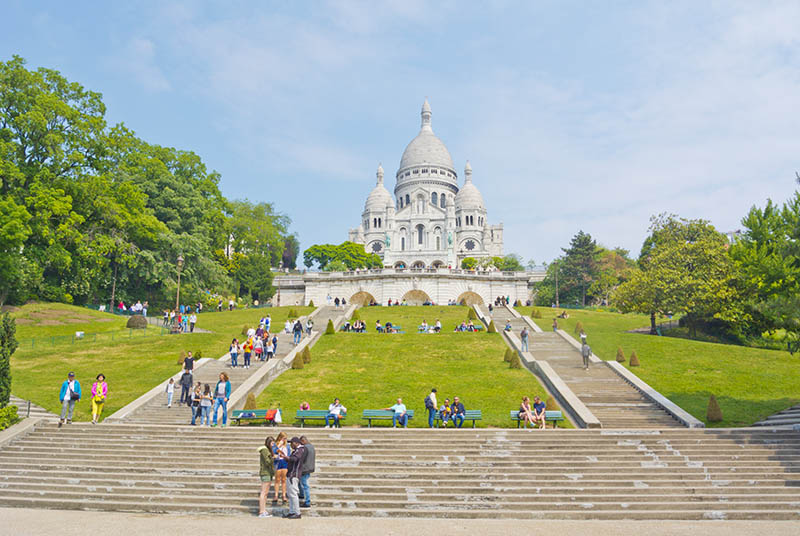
[(32, 522)]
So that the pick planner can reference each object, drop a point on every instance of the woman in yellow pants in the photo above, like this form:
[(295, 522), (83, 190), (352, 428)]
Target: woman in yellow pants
[(99, 392)]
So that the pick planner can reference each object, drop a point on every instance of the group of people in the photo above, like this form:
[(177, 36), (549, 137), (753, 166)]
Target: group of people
[(336, 301), (295, 328), (532, 414), (204, 401), (358, 326), (386, 328), (289, 464), (466, 326), (71, 393), (502, 300), (435, 328), (183, 320), (447, 412)]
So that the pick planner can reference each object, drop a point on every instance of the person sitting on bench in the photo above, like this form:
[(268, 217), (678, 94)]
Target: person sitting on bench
[(526, 412), (444, 412), (539, 412), (335, 412), (400, 414), (458, 412)]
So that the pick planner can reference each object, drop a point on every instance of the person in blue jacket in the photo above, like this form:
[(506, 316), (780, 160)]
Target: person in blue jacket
[(70, 394), (222, 392)]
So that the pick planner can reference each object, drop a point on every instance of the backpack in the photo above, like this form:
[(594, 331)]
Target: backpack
[(429, 403)]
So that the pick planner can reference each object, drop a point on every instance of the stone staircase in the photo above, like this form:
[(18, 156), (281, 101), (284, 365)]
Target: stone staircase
[(614, 402), (683, 474), (787, 417), (36, 411)]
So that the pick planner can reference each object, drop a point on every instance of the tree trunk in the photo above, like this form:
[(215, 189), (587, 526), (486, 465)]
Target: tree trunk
[(653, 323), (113, 288)]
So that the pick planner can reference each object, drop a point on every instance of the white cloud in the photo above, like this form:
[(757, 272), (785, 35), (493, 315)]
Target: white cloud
[(138, 60)]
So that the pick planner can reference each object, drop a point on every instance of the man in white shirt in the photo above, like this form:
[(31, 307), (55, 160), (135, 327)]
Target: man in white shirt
[(192, 322), (431, 404), (335, 412), (400, 414)]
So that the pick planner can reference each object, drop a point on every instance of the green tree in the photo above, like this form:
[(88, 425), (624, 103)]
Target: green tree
[(8, 345), (579, 266), (469, 263), (14, 231), (353, 256)]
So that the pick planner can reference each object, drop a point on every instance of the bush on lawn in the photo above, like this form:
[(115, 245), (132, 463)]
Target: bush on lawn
[(8, 345), (181, 358), (471, 314), (714, 413), (250, 403), (330, 330), (491, 328), (620, 355), (551, 404), (634, 359), (507, 357), (197, 355), (311, 303), (536, 313), (137, 322), (8, 417), (297, 362), (306, 355), (292, 313), (245, 329), (578, 328), (515, 362)]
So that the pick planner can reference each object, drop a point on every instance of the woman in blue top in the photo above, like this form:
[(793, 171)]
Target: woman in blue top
[(282, 451)]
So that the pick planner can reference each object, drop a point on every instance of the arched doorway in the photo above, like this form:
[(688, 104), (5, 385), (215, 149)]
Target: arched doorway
[(362, 298), (437, 264), (416, 297), (418, 264), (470, 298), (400, 264)]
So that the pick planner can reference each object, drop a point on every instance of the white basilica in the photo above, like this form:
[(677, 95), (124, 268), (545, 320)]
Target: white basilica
[(430, 221)]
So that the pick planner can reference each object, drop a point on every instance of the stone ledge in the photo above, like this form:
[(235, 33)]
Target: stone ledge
[(18, 430)]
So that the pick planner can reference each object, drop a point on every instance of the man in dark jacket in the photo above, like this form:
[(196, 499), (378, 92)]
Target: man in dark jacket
[(186, 382), (296, 463), (297, 330), (308, 468), (458, 412)]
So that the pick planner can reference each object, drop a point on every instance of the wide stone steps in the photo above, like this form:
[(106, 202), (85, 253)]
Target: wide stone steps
[(787, 417), (35, 411)]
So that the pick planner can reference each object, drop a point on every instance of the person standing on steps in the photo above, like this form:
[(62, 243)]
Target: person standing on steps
[(555, 325), (222, 392), (234, 352), (586, 351), (170, 392), (309, 326), (431, 404), (205, 406), (297, 330), (309, 466), (70, 394), (524, 338), (295, 472), (99, 392), (188, 362), (281, 453), (247, 348), (266, 473), (194, 404), (186, 387)]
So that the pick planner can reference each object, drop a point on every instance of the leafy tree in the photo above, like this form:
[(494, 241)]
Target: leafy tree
[(291, 249), (469, 263), (8, 345), (353, 256), (336, 266), (580, 265), (14, 230)]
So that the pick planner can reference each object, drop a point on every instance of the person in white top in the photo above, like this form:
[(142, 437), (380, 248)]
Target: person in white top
[(335, 412), (287, 327), (192, 322), (170, 392), (431, 404)]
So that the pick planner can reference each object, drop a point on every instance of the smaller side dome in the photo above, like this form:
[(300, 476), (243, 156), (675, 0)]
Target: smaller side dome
[(468, 196), (379, 198)]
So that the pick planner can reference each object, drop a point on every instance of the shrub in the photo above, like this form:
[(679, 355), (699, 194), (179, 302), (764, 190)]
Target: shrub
[(198, 354), (515, 362), (137, 322), (250, 403), (578, 328), (297, 362), (471, 314), (536, 313), (491, 328), (8, 344), (507, 356), (293, 313), (181, 358), (355, 316), (306, 355), (551, 405), (714, 413), (330, 330), (620, 355), (634, 359), (245, 329), (8, 417), (311, 303)]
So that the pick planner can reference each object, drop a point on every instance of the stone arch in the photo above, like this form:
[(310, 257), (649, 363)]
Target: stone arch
[(362, 298), (416, 297), (400, 264), (470, 298), (418, 264), (437, 264)]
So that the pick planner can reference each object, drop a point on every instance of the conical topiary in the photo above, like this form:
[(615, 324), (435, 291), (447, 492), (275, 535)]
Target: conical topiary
[(491, 328), (297, 362), (515, 362), (634, 362), (578, 328), (551, 404), (311, 303), (292, 313), (330, 330), (181, 358), (306, 355), (355, 316), (245, 330), (507, 357), (536, 313), (471, 314), (620, 355), (714, 413), (250, 403)]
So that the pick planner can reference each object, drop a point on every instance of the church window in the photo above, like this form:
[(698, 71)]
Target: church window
[(376, 247), (434, 199), (408, 173), (441, 201), (420, 234), (366, 224), (403, 243), (470, 245), (434, 172), (380, 223), (408, 200), (424, 170), (416, 172), (374, 222), (438, 242)]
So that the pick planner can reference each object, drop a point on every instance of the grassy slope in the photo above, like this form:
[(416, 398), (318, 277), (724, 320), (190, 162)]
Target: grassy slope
[(368, 371), (132, 366), (749, 383)]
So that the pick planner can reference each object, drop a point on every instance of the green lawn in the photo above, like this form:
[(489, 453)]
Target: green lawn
[(410, 317), (132, 364), (370, 370), (749, 383)]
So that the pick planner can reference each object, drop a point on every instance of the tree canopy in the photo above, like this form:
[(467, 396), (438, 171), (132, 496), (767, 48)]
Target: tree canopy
[(345, 256)]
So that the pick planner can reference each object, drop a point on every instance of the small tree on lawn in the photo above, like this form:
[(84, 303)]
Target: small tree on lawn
[(507, 357), (714, 413), (297, 362), (311, 303), (330, 330), (491, 328), (250, 403), (471, 314), (306, 355), (292, 313), (578, 328), (620, 355), (551, 404), (515, 362), (8, 344), (634, 359)]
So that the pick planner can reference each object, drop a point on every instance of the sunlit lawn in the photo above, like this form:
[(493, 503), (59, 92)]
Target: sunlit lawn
[(749, 383)]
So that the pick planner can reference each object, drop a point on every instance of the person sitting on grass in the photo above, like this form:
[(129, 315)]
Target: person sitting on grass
[(335, 412), (438, 327), (470, 326), (378, 326), (400, 414), (458, 412), (539, 412), (423, 327), (445, 412), (389, 328)]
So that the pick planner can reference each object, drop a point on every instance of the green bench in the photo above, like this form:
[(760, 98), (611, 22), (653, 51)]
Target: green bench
[(553, 416), (239, 415), (469, 415), (382, 415), (304, 415)]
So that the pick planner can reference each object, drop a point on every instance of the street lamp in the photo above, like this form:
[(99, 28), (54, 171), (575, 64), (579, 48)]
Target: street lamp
[(178, 294)]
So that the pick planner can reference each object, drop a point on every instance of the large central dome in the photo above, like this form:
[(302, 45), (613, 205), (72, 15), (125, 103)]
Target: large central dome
[(426, 151)]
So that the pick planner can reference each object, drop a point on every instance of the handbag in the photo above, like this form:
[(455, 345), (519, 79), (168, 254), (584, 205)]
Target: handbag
[(74, 396)]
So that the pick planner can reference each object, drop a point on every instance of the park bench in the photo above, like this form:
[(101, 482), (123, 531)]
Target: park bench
[(253, 415), (553, 416), (382, 415), (304, 415), (469, 415)]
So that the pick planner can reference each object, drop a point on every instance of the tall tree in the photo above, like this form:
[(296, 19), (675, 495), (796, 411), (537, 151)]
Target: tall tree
[(580, 265), (8, 344)]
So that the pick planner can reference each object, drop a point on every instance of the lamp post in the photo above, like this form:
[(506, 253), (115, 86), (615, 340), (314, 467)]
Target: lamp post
[(175, 327)]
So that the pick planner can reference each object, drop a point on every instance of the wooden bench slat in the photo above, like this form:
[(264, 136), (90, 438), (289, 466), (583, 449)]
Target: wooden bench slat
[(549, 415), (469, 415), (303, 414)]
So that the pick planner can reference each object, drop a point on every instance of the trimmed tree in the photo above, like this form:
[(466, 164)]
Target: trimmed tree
[(515, 362), (578, 328), (311, 303), (297, 362), (355, 316), (330, 330), (306, 355), (620, 355), (535, 313), (250, 403), (491, 328), (714, 413), (137, 322), (292, 313), (551, 404), (634, 362), (245, 329), (8, 344), (507, 356), (471, 314)]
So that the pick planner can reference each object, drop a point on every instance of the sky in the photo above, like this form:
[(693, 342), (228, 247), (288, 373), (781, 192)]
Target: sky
[(575, 115)]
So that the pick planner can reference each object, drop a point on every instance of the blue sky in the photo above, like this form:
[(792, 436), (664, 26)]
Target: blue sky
[(574, 115)]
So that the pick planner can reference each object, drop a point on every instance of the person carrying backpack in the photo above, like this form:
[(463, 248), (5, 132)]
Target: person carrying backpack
[(430, 405)]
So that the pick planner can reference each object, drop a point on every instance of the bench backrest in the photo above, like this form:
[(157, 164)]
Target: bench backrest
[(384, 413), (550, 415), (256, 412), (312, 412), (469, 414)]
